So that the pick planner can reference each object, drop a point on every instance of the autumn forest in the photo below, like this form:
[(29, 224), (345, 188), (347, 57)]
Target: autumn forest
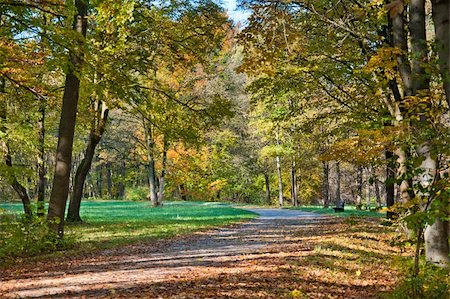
[(170, 149)]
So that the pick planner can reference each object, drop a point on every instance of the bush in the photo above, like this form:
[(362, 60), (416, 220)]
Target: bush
[(136, 193), (431, 283), (23, 237)]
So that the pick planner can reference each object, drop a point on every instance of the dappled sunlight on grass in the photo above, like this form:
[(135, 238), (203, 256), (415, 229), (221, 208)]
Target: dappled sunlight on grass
[(110, 223)]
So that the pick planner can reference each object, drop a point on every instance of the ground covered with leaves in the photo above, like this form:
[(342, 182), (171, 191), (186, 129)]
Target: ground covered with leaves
[(283, 254)]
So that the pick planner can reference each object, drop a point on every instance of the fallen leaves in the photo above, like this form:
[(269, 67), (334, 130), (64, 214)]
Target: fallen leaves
[(283, 259)]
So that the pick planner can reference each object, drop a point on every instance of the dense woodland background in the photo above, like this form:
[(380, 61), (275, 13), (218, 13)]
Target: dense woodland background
[(310, 102)]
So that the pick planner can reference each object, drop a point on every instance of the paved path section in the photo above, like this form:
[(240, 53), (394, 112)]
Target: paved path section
[(133, 269)]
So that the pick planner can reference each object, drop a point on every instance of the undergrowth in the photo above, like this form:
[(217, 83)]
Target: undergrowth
[(22, 236)]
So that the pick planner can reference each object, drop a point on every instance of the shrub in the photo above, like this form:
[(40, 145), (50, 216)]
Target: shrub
[(431, 283), (23, 237), (136, 193)]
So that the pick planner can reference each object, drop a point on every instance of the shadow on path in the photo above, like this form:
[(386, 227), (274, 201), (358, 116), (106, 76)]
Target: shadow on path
[(133, 269)]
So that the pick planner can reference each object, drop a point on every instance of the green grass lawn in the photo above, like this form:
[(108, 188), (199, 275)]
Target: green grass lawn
[(111, 223), (348, 211)]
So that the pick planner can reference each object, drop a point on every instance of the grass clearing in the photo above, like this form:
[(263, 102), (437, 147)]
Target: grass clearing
[(112, 223)]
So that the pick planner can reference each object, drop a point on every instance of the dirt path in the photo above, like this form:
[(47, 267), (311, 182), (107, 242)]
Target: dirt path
[(252, 260)]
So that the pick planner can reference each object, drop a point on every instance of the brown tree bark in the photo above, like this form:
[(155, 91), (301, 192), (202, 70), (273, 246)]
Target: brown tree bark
[(267, 184), (42, 171), (390, 186), (359, 194), (97, 129), (294, 196), (151, 164), (338, 200), (99, 181), (109, 184), (280, 178), (61, 178), (326, 184), (17, 186), (377, 188), (163, 173), (121, 185), (441, 15)]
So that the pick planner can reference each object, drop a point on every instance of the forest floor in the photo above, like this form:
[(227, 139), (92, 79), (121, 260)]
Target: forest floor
[(281, 254)]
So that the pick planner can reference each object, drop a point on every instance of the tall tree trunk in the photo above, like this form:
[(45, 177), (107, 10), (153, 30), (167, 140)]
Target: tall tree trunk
[(267, 183), (97, 129), (15, 184), (359, 194), (436, 234), (163, 173), (405, 190), (280, 178), (183, 192), (99, 182), (109, 179), (368, 192), (61, 178), (42, 181), (377, 188), (436, 242), (390, 186), (121, 185), (419, 48), (338, 200), (326, 184), (441, 15), (294, 185), (151, 164)]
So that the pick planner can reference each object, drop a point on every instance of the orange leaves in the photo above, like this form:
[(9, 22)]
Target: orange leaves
[(366, 147), (395, 7)]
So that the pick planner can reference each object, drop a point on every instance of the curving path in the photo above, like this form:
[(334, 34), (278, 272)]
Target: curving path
[(168, 268)]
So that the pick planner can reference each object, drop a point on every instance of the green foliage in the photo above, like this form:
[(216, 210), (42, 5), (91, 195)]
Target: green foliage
[(136, 193), (431, 283), (21, 237)]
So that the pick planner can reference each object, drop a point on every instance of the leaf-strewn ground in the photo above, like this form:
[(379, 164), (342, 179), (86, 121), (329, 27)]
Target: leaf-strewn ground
[(284, 254)]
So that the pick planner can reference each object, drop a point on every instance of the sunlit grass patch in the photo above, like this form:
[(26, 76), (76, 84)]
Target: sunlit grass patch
[(111, 223)]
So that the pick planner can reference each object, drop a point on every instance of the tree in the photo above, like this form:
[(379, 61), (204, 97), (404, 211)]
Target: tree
[(60, 189)]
